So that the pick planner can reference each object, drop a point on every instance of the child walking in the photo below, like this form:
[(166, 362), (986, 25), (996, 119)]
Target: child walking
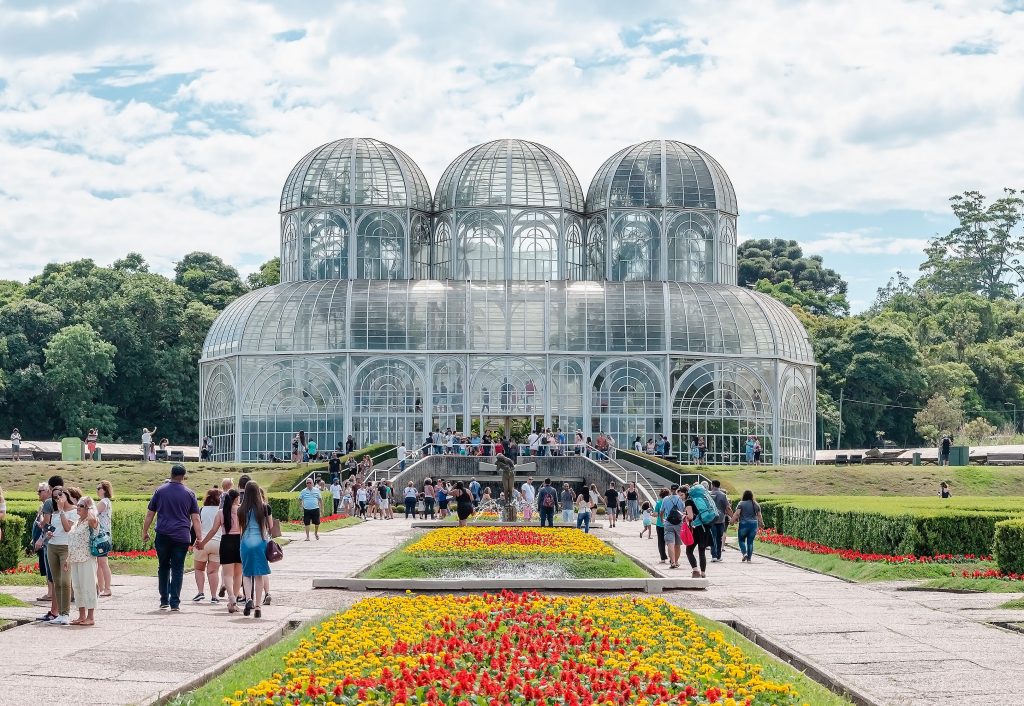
[(645, 515)]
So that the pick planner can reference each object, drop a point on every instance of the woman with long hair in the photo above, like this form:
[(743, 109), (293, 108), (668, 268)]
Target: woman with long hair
[(748, 517), (254, 520), (105, 517), (207, 559), (463, 503), (58, 524), (226, 525)]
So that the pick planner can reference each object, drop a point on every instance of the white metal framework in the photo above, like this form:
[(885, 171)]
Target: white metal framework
[(508, 297)]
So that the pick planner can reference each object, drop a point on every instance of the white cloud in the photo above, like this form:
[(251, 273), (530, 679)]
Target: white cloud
[(810, 107)]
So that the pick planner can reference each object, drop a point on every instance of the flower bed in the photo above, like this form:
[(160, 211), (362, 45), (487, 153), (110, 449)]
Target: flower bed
[(987, 574), (34, 568), (508, 542), (329, 518), (772, 537), (516, 649)]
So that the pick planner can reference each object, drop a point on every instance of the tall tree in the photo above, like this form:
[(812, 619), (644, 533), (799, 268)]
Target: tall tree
[(78, 361), (778, 267), (268, 275), (209, 279), (981, 255)]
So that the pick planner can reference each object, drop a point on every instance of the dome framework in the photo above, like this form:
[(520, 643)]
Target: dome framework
[(493, 303)]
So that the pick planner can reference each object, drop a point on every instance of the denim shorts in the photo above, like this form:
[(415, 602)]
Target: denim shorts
[(672, 534)]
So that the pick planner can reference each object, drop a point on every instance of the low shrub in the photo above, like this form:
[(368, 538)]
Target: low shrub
[(1008, 546), (286, 506), (11, 544), (921, 533)]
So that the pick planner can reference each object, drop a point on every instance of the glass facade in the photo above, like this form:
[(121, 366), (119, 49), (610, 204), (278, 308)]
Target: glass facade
[(508, 297)]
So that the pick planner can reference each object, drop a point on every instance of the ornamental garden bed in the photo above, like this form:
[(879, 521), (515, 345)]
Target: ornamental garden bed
[(515, 649), (460, 553)]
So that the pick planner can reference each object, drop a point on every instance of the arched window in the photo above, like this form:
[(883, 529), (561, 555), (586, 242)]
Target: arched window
[(419, 246), (508, 387), (289, 248), (568, 385), (691, 248), (380, 240), (634, 248), (796, 438), (219, 413), (725, 403), (596, 249), (388, 403), (534, 247), (574, 263), (287, 396), (626, 402), (482, 246), (443, 268), (325, 245), (727, 251), (448, 395)]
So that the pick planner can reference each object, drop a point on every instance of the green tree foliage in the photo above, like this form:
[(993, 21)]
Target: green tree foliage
[(941, 415), (209, 279), (78, 362), (778, 267), (268, 275), (982, 254)]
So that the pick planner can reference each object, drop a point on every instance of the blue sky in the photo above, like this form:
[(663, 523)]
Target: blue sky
[(169, 127)]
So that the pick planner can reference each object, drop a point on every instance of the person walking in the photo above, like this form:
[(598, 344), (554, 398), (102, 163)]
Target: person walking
[(409, 494), (80, 562), (749, 520), (529, 498), (547, 501), (312, 507), (463, 503), (585, 504), (361, 499), (673, 508), (659, 525), (566, 500), (645, 516), (255, 522), (105, 516), (611, 501), (701, 535), (60, 522), (721, 524), (176, 511), (207, 559), (944, 446), (15, 444), (91, 438), (336, 494), (428, 498), (401, 454), (226, 526)]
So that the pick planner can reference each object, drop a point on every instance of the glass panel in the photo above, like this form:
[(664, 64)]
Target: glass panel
[(634, 248), (691, 248), (325, 244), (627, 402), (219, 413), (388, 404), (482, 245), (380, 240), (534, 247)]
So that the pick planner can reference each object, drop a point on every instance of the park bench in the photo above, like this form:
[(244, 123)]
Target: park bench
[(856, 458), (1005, 459), (842, 459)]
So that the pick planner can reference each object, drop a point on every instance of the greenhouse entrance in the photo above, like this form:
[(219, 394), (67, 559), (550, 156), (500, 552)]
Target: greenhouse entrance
[(507, 425)]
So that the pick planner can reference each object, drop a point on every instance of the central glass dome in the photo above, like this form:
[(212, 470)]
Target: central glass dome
[(508, 210)]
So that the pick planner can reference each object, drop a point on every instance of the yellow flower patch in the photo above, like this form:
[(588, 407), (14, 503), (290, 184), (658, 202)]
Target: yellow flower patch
[(503, 542)]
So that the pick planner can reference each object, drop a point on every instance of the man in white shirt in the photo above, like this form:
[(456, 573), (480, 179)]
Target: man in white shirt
[(147, 442), (534, 441), (401, 457), (529, 497), (336, 493)]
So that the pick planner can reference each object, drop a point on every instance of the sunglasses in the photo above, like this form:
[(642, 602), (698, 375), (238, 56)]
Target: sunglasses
[(83, 507)]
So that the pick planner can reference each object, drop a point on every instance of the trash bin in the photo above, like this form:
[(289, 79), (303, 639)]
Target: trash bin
[(97, 455), (71, 449), (915, 459), (959, 455)]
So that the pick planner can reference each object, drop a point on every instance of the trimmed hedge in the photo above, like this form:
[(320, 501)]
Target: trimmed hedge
[(921, 534), (286, 506), (13, 528), (1008, 546)]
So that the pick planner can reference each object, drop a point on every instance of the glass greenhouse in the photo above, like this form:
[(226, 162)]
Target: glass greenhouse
[(508, 299)]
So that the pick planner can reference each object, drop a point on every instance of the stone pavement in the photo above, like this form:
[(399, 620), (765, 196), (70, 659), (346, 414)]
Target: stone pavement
[(895, 647), (136, 652)]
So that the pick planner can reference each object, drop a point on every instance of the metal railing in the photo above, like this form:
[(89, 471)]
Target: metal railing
[(373, 471), (680, 478)]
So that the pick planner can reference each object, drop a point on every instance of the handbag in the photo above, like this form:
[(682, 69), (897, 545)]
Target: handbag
[(100, 544), (686, 534), (274, 552), (275, 528)]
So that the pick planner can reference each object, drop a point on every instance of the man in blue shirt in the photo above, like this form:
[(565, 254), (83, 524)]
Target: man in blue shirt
[(673, 539), (474, 490), (312, 506), (177, 516)]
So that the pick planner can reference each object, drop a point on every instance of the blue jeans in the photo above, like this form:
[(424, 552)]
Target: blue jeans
[(583, 520), (717, 535), (170, 556), (567, 516), (547, 513), (410, 507), (747, 532)]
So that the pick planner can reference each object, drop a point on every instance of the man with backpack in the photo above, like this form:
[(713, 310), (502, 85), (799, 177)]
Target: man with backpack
[(547, 500), (701, 513), (671, 514), (721, 524)]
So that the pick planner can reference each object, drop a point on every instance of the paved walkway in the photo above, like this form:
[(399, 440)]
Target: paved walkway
[(895, 647), (135, 652)]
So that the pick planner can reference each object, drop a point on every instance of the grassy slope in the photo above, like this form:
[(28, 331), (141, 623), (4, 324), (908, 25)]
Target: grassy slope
[(900, 505), (131, 477), (399, 565), (1016, 604), (7, 601), (984, 585), (868, 480), (262, 665)]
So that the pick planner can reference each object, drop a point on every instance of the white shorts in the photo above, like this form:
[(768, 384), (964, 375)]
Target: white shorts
[(210, 552)]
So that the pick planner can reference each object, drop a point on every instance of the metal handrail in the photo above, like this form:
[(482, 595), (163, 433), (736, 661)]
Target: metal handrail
[(313, 474), (679, 476), (627, 476)]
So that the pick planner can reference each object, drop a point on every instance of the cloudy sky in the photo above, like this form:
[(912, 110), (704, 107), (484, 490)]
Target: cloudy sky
[(169, 127)]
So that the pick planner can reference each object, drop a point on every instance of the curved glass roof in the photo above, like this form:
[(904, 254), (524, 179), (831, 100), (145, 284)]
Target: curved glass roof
[(509, 173), (508, 317), (356, 171), (661, 174)]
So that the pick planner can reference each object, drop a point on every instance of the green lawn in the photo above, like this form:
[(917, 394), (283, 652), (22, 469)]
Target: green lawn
[(984, 585), (22, 580), (7, 601), (1015, 604), (867, 480)]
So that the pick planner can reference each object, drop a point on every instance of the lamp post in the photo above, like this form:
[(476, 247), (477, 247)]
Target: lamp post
[(1014, 405)]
